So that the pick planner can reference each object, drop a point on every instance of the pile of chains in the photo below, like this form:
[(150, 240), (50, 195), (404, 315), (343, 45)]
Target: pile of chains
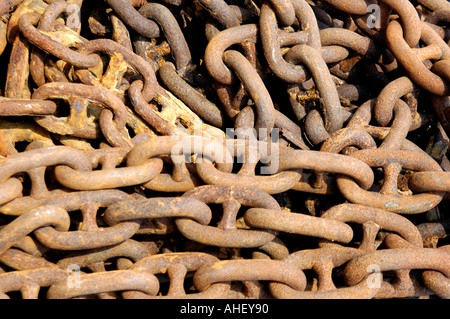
[(224, 149)]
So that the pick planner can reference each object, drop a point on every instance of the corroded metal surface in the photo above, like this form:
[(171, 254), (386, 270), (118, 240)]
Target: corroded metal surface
[(224, 149)]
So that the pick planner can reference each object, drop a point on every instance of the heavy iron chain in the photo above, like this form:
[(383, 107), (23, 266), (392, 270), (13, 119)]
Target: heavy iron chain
[(224, 149)]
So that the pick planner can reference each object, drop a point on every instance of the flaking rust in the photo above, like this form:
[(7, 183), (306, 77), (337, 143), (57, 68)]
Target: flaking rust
[(224, 150)]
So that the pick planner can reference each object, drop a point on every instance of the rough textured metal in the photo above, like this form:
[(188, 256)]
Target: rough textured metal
[(224, 149)]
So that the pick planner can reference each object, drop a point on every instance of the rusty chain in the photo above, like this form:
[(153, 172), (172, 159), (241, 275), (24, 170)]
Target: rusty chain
[(222, 149)]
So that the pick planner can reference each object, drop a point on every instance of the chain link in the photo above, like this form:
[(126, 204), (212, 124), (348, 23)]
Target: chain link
[(224, 149)]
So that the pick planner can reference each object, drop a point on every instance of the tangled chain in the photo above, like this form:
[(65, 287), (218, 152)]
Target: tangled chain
[(224, 149)]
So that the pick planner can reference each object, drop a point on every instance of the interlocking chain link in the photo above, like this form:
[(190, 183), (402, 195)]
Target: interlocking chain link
[(224, 149)]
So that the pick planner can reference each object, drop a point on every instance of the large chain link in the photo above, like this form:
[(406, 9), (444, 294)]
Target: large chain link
[(224, 149)]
